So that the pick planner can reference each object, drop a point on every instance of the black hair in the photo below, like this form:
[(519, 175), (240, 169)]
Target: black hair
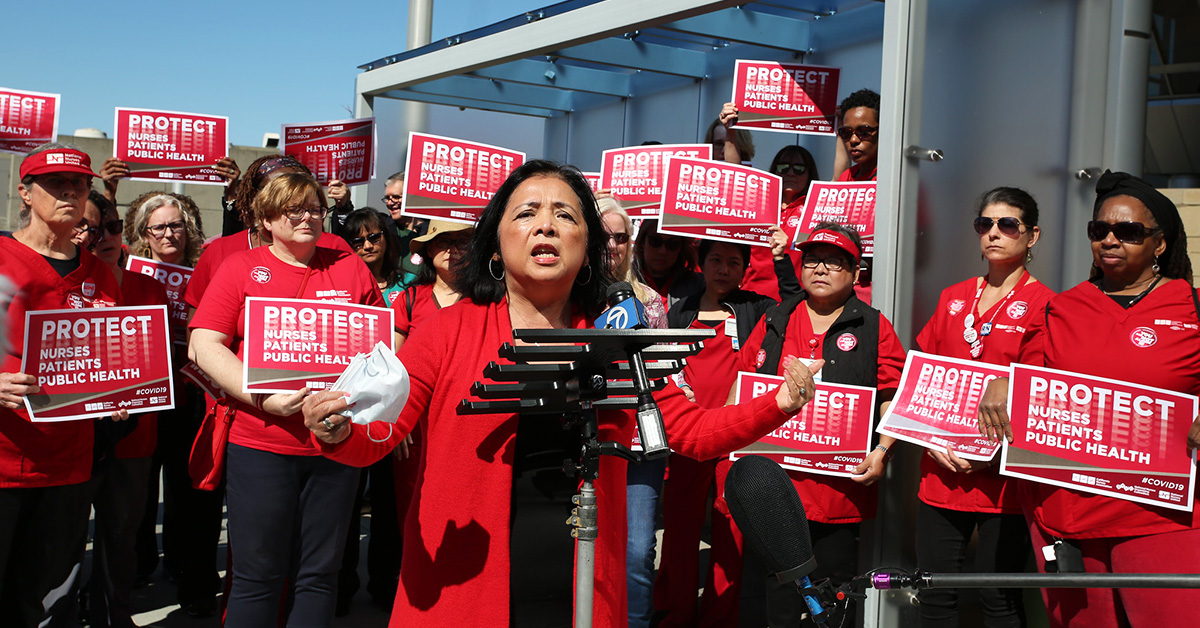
[(849, 232), (1013, 197), (368, 218), (862, 98), (102, 203), (687, 251), (474, 277), (792, 150), (1174, 263), (706, 246), (742, 140)]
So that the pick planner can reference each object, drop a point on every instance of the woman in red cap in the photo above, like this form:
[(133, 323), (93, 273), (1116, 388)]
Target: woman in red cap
[(44, 467), (827, 321)]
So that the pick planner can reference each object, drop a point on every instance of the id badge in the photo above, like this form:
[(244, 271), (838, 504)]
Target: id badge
[(731, 332), (807, 362)]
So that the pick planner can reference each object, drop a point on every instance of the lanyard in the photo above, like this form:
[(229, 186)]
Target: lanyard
[(974, 338)]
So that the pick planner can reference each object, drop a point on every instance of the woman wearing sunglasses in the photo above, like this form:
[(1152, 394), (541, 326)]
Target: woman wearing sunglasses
[(287, 504), (442, 249), (982, 318), (378, 246), (1135, 320), (859, 132), (666, 263)]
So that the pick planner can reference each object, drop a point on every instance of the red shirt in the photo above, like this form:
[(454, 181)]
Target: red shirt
[(336, 276), (423, 307), (57, 453), (983, 491), (139, 289), (456, 568), (851, 174), (760, 274), (829, 499), (712, 372), (1087, 332), (220, 249)]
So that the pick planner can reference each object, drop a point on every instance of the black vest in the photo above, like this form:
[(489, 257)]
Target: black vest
[(859, 366)]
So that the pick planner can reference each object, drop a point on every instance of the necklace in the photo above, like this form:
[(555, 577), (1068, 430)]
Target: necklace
[(1141, 295), (975, 338)]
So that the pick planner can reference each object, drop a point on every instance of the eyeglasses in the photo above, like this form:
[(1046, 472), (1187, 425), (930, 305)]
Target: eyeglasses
[(158, 230), (782, 169), (1128, 232), (298, 213), (113, 227), (392, 198), (864, 132), (619, 238), (373, 238), (1008, 225), (442, 242), (658, 242), (832, 264)]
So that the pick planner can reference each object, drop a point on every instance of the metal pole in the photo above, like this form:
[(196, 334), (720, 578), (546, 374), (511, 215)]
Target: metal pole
[(1061, 581), (420, 30), (585, 530)]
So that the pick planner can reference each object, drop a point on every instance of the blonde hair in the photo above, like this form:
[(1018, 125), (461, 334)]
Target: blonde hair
[(139, 215), (624, 270)]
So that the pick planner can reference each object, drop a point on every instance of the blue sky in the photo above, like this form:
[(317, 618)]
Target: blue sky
[(260, 62)]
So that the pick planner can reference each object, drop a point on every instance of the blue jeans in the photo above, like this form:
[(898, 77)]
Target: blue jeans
[(645, 483)]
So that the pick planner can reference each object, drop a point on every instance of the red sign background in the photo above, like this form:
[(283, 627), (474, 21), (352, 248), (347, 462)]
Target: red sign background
[(93, 362), (171, 146), (1100, 436), (174, 278), (848, 203), (340, 149), (830, 436), (938, 402), (27, 120), (449, 179), (720, 201), (786, 97), (296, 343), (635, 175)]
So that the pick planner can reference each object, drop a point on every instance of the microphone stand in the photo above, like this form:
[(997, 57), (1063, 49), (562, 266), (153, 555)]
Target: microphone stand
[(927, 580), (588, 371)]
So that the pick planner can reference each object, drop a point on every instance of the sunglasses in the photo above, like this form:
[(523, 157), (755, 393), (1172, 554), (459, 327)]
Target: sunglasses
[(619, 238), (373, 238), (447, 243), (656, 241), (782, 169), (1128, 232), (1008, 225), (113, 227), (864, 132)]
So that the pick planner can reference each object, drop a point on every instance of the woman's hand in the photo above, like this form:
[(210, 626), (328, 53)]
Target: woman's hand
[(993, 411), (779, 242), (338, 192), (321, 416), (228, 169), (728, 116), (687, 392), (872, 468), (798, 387), (402, 451), (281, 404), (111, 173), (603, 194), (14, 387), (951, 462)]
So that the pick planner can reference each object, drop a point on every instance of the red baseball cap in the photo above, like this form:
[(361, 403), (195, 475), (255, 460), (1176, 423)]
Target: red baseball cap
[(57, 160), (834, 238)]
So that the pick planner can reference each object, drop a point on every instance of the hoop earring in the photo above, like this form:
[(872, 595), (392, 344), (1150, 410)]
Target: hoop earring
[(588, 268), (492, 270), (1155, 267)]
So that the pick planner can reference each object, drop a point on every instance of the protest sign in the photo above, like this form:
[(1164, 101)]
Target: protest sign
[(635, 175), (937, 404), (170, 145), (27, 120), (719, 201), (785, 97), (302, 343), (340, 149), (174, 278), (449, 179), (1100, 436), (593, 180), (851, 204), (93, 362), (201, 379), (830, 436)]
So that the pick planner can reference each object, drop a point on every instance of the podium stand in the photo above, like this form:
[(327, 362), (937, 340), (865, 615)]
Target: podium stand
[(574, 374)]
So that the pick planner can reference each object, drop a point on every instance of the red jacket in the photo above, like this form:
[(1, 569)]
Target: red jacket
[(456, 569), (46, 454)]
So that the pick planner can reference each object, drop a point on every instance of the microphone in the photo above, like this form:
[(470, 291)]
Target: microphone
[(626, 312), (767, 510)]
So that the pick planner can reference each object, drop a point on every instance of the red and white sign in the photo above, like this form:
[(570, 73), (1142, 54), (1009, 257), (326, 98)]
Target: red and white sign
[(830, 436), (848, 203), (938, 402), (207, 384), (27, 120), (174, 278), (1100, 436), (719, 201), (593, 180), (785, 97), (93, 362), (171, 146), (636, 175), (341, 149), (449, 179), (301, 343)]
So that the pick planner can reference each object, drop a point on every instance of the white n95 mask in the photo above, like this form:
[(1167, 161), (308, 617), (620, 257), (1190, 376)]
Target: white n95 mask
[(377, 386)]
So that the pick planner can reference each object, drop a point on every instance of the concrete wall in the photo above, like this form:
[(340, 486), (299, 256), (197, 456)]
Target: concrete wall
[(1188, 202), (207, 197)]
